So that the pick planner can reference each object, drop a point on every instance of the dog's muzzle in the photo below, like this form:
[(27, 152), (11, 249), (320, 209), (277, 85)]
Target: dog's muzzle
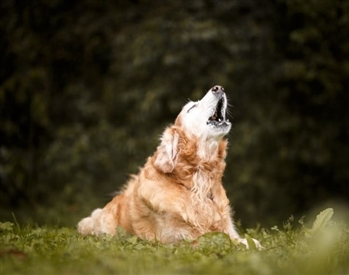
[(218, 118)]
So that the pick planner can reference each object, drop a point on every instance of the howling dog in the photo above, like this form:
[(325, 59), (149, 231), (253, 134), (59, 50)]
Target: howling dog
[(178, 194)]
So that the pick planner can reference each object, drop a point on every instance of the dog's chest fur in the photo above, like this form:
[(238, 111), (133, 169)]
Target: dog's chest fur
[(185, 203)]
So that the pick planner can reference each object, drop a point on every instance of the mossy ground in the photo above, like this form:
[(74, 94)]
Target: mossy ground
[(31, 249)]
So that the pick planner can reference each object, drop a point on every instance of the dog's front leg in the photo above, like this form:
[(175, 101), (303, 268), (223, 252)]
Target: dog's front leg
[(100, 222), (158, 200)]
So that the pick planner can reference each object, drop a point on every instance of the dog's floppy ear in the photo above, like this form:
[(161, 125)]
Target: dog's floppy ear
[(167, 151)]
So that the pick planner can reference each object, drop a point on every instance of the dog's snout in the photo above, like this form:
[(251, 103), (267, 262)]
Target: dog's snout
[(217, 89)]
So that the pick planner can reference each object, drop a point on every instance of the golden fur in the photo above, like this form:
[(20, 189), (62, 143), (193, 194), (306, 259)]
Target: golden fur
[(178, 194)]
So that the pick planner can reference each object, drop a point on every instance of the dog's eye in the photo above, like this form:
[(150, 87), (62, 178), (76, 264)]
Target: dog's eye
[(191, 108)]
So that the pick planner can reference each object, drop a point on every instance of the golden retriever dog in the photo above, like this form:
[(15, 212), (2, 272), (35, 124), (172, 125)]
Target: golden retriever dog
[(178, 194)]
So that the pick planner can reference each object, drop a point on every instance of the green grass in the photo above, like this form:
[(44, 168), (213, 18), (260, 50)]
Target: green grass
[(29, 249)]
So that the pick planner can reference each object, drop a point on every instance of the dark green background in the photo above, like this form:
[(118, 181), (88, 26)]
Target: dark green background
[(87, 87)]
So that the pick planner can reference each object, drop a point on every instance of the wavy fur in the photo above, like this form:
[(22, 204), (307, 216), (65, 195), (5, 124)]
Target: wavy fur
[(178, 194)]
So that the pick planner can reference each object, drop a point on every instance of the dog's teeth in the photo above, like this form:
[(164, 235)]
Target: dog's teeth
[(227, 119)]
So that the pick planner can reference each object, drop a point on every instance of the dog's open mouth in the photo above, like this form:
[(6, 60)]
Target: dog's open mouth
[(218, 117)]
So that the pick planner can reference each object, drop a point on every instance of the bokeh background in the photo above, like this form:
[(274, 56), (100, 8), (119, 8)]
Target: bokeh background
[(87, 87)]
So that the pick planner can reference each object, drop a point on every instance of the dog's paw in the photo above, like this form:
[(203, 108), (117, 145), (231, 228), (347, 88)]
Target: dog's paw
[(100, 222), (254, 243), (85, 226)]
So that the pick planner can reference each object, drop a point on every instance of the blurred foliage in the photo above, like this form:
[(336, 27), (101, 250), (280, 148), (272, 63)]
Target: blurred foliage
[(87, 87)]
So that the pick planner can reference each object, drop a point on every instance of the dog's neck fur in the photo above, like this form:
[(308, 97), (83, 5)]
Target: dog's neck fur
[(199, 164), (209, 166)]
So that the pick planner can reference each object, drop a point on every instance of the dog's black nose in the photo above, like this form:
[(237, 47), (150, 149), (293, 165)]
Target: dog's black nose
[(217, 89)]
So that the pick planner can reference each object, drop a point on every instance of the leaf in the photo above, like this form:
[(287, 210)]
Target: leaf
[(321, 220)]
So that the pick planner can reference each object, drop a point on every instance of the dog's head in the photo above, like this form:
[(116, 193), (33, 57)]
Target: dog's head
[(206, 118), (203, 123)]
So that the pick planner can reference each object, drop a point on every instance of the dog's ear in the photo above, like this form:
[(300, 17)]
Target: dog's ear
[(167, 151)]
